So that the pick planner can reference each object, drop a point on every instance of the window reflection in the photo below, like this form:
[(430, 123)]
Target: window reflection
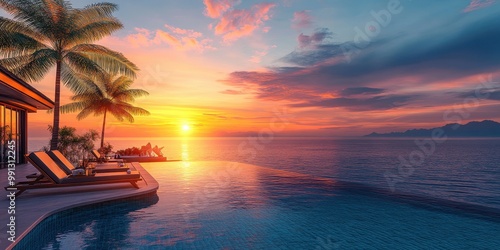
[(9, 130)]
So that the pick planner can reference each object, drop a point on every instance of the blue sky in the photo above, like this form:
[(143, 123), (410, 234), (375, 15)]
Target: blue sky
[(341, 67)]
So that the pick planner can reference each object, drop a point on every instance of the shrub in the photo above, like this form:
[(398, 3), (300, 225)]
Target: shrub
[(73, 146)]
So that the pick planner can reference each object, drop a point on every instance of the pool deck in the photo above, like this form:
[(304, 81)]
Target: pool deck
[(34, 205)]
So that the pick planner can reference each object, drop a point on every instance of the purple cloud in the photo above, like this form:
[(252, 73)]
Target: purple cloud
[(301, 20), (382, 69), (316, 38)]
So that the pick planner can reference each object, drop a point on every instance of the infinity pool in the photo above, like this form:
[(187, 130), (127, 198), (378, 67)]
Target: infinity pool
[(220, 205)]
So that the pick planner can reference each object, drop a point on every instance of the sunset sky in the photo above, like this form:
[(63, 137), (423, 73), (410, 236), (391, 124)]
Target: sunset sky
[(328, 68)]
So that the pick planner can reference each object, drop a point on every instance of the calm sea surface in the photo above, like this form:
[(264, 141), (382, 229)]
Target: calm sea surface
[(465, 170)]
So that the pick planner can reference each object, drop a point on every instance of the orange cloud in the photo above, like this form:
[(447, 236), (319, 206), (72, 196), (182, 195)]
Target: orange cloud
[(236, 23), (190, 33), (164, 36), (478, 4), (215, 8), (140, 39), (239, 23), (182, 39)]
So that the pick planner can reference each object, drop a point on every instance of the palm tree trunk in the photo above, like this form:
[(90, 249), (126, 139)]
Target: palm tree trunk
[(57, 103), (103, 127)]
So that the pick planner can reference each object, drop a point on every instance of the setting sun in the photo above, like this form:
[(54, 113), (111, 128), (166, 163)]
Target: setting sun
[(186, 128)]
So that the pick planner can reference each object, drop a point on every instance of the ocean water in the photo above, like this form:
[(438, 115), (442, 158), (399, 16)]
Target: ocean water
[(298, 193), (463, 170)]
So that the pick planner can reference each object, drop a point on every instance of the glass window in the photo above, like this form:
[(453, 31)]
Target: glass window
[(9, 130), (2, 134), (14, 132)]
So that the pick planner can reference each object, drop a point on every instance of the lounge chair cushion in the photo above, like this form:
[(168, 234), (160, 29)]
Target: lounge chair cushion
[(134, 175), (45, 163), (96, 154), (48, 166), (63, 162), (59, 158)]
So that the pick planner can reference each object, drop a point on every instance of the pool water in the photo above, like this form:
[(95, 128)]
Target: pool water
[(221, 205)]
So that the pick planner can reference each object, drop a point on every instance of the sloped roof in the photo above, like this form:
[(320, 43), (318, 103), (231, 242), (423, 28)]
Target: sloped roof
[(16, 92)]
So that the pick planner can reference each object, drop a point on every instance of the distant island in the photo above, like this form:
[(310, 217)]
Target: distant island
[(486, 128)]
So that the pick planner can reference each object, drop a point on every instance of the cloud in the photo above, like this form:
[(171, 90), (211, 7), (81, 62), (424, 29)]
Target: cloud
[(185, 32), (182, 39), (490, 92), (215, 8), (360, 90), (141, 38), (232, 92), (478, 4), (239, 23), (236, 23), (313, 48), (383, 102), (221, 117), (301, 20), (309, 57), (382, 70), (259, 54), (316, 38)]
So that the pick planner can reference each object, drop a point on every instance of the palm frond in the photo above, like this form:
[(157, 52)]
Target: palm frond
[(99, 9), (16, 8), (35, 14), (129, 95), (72, 79), (134, 110), (9, 6), (53, 18), (111, 61), (84, 113), (93, 31), (121, 114), (16, 62), (39, 64), (72, 107), (82, 63), (91, 96), (136, 92), (54, 10), (15, 44), (13, 26), (122, 83)]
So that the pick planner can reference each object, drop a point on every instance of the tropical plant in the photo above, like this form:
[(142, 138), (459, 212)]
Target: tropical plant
[(106, 149), (73, 146), (106, 94), (47, 33), (129, 151)]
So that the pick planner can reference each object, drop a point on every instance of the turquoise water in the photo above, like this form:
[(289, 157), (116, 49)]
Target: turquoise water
[(219, 205)]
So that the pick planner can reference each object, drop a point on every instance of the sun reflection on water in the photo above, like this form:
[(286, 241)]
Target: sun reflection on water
[(185, 151)]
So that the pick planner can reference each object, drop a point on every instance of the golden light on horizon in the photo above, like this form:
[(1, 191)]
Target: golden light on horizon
[(185, 129)]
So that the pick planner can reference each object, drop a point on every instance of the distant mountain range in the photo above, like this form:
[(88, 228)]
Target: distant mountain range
[(486, 128)]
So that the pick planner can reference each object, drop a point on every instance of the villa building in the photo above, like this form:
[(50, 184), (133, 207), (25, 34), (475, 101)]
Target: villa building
[(17, 99)]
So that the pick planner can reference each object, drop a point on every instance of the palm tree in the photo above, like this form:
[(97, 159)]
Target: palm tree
[(47, 33), (105, 94)]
